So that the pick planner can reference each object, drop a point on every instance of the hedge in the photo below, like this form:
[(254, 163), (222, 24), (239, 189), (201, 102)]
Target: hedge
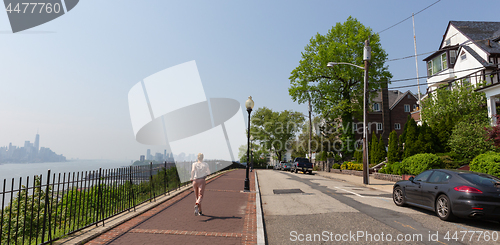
[(351, 166), (414, 164), (488, 163)]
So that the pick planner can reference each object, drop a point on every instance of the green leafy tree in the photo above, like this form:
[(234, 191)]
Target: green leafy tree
[(338, 92), (393, 154), (444, 108), (275, 130), (468, 138)]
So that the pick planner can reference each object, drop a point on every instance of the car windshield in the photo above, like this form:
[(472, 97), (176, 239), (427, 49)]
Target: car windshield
[(482, 180)]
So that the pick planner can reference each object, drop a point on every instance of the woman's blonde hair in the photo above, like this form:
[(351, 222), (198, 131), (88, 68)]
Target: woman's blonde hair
[(200, 157)]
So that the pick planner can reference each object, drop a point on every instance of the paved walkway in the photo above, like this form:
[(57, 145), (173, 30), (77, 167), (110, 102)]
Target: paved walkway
[(229, 217), (382, 185)]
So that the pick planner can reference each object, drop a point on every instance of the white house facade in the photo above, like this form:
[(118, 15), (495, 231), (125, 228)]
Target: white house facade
[(469, 53)]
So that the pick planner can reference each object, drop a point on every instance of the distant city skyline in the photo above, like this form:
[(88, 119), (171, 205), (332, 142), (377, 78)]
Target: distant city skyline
[(30, 152), (70, 77)]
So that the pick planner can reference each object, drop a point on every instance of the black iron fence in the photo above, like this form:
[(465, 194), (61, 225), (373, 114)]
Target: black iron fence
[(44, 208)]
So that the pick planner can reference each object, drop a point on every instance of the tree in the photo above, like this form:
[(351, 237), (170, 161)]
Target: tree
[(468, 138), (382, 153), (393, 154), (411, 137), (493, 133), (275, 130), (426, 142), (374, 150), (338, 92), (445, 107)]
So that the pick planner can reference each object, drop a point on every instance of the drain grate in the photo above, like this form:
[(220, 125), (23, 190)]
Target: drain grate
[(287, 191)]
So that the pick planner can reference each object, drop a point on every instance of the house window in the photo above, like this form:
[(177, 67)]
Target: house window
[(447, 42), (354, 126), (397, 126), (437, 64), (453, 56), (463, 55), (376, 107), (414, 107), (407, 108), (379, 126)]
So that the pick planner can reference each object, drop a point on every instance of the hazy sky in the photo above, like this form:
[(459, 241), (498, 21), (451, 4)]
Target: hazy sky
[(70, 78)]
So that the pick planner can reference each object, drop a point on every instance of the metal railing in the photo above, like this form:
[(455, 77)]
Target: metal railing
[(45, 208)]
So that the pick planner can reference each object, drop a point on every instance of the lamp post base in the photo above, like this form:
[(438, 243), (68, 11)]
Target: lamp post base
[(247, 183)]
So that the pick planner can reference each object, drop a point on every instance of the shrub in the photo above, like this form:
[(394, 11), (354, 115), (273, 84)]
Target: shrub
[(413, 165), (468, 139), (419, 163), (358, 155), (336, 166), (488, 163), (451, 161), (351, 166), (316, 168)]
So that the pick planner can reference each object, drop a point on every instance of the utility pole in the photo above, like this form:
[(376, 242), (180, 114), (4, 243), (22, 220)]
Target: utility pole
[(366, 58), (416, 60), (310, 126)]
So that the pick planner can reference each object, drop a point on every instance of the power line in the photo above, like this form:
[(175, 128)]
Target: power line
[(443, 74), (407, 18), (414, 85)]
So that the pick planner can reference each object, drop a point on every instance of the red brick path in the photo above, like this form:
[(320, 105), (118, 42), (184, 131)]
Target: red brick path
[(229, 217)]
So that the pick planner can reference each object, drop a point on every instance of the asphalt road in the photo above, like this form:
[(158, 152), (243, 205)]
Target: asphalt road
[(310, 209)]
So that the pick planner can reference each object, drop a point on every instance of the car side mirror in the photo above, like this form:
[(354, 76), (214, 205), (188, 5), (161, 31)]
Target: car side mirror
[(411, 179)]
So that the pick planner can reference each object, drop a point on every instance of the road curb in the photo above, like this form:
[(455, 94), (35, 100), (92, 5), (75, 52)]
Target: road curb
[(261, 239)]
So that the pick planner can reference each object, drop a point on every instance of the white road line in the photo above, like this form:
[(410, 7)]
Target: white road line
[(354, 193)]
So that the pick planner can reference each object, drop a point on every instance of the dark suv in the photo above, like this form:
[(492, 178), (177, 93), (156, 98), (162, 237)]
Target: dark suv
[(302, 164)]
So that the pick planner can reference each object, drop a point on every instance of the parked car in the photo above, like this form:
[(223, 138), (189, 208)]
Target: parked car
[(302, 164), (287, 166), (451, 193)]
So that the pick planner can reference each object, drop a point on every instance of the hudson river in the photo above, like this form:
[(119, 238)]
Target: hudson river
[(16, 170)]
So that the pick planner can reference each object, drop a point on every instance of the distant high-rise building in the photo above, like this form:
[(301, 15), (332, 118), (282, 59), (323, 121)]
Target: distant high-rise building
[(37, 142), (142, 158), (148, 155)]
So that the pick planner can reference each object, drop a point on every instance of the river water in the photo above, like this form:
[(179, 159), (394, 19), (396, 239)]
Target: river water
[(17, 170)]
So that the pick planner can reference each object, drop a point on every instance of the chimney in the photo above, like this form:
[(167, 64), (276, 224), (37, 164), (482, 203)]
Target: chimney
[(489, 43)]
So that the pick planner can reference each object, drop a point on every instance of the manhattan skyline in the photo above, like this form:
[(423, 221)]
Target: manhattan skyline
[(29, 153), (70, 77)]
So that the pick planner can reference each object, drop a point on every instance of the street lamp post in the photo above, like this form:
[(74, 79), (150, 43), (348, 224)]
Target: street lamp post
[(249, 105), (251, 153), (366, 59)]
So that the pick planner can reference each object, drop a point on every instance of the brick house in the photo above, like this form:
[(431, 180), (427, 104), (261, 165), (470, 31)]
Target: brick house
[(389, 110)]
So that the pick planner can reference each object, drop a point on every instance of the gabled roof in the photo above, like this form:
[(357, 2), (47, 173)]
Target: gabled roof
[(394, 96), (475, 55), (480, 32), (401, 98)]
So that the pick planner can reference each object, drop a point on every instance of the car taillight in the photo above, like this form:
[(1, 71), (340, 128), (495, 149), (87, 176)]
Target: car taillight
[(468, 189)]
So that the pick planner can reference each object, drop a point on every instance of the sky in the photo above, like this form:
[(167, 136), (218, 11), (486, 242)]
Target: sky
[(69, 78)]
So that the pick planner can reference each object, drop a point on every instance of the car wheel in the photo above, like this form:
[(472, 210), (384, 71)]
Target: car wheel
[(443, 208), (398, 197), (310, 172)]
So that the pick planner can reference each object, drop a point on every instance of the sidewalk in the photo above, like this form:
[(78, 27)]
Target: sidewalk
[(229, 217), (377, 184)]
